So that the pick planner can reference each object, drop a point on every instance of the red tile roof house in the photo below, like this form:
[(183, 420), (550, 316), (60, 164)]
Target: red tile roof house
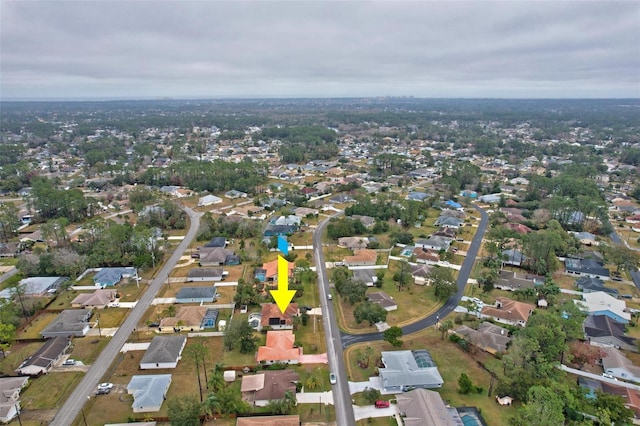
[(279, 348), (276, 320), (508, 311)]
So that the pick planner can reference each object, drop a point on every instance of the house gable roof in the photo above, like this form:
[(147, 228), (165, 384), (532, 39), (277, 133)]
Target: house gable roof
[(51, 350), (71, 321), (164, 349), (279, 347), (148, 390), (401, 368), (509, 310), (423, 407), (270, 312), (604, 326)]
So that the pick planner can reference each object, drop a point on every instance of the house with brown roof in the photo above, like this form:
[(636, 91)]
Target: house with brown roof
[(508, 311), (259, 389), (383, 299), (215, 256), (488, 337), (518, 228), (353, 243), (188, 318), (293, 420), (421, 407), (424, 255), (99, 299), (276, 320), (269, 271), (364, 257), (279, 348)]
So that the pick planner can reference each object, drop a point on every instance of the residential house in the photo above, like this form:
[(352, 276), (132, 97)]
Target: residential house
[(341, 199), (293, 420), (436, 243), (269, 271), (508, 311), (196, 295), (70, 322), (208, 200), (421, 273), (601, 303), (45, 357), (217, 242), (586, 267), (421, 407), (279, 348), (305, 211), (630, 397), (601, 330), (149, 392), (590, 284), (368, 221), (260, 389), (163, 352), (518, 228), (405, 370), (488, 337), (417, 196), (214, 256), (449, 222), (291, 220), (10, 388), (445, 232), (233, 194), (279, 230), (9, 249), (619, 366), (206, 274), (109, 277), (367, 276), (353, 243), (189, 318), (423, 255), (513, 257), (99, 299), (586, 238), (510, 281), (452, 204), (363, 257), (41, 286), (383, 299), (490, 198), (276, 320)]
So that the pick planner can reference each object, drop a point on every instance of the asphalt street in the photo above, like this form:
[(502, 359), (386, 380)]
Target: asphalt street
[(452, 302), (83, 391), (341, 395)]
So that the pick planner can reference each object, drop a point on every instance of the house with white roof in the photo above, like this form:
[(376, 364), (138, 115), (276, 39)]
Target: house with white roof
[(208, 200), (405, 370), (601, 303)]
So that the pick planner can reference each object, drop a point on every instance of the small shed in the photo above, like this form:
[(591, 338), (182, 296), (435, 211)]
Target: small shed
[(229, 376)]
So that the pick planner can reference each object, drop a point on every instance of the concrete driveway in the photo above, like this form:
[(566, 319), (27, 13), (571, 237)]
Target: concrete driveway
[(367, 411)]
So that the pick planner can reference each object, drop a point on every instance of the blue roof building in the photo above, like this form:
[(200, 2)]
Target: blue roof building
[(109, 277)]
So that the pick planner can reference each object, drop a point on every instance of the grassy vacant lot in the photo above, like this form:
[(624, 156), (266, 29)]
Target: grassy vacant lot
[(33, 330), (110, 317), (451, 361), (50, 390), (87, 349)]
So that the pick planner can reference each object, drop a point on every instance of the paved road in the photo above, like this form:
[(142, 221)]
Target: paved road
[(11, 272), (341, 394), (449, 306), (74, 403)]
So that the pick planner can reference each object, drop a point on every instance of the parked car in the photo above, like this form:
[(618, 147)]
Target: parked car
[(329, 296), (105, 385), (69, 362), (333, 379), (103, 391), (381, 404), (627, 296)]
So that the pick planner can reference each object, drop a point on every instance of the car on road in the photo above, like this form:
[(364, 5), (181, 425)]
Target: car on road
[(69, 362), (329, 296), (105, 385), (382, 404), (333, 379)]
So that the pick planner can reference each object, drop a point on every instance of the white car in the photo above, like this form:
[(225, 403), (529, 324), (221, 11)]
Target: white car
[(333, 379), (105, 385)]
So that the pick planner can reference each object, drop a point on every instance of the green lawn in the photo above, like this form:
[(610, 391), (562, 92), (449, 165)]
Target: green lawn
[(49, 390)]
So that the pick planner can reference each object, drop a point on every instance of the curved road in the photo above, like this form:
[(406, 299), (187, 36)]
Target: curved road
[(74, 403), (452, 302), (341, 393)]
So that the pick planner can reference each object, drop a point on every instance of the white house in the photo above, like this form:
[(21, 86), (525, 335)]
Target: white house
[(208, 200), (149, 392), (163, 352), (601, 303), (619, 366)]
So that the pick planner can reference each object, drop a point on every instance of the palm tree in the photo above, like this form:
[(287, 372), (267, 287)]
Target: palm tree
[(212, 405), (368, 353), (312, 382)]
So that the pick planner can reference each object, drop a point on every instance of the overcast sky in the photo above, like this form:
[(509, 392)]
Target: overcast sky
[(210, 49)]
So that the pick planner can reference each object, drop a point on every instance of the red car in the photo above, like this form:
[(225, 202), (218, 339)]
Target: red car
[(382, 404)]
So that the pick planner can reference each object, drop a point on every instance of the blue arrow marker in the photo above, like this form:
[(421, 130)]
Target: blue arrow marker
[(283, 245)]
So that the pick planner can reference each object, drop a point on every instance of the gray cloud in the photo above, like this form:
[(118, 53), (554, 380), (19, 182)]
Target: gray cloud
[(220, 49)]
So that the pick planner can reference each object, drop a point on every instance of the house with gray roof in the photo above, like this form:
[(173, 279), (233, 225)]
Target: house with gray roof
[(217, 242), (586, 267), (406, 370), (367, 276), (512, 257), (233, 194), (109, 277), (383, 299), (449, 222), (70, 322), (436, 243), (206, 274), (45, 357), (39, 286), (215, 256), (601, 330), (618, 365), (149, 392), (196, 295), (510, 281), (417, 196), (368, 221), (10, 388), (163, 352), (590, 284)]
